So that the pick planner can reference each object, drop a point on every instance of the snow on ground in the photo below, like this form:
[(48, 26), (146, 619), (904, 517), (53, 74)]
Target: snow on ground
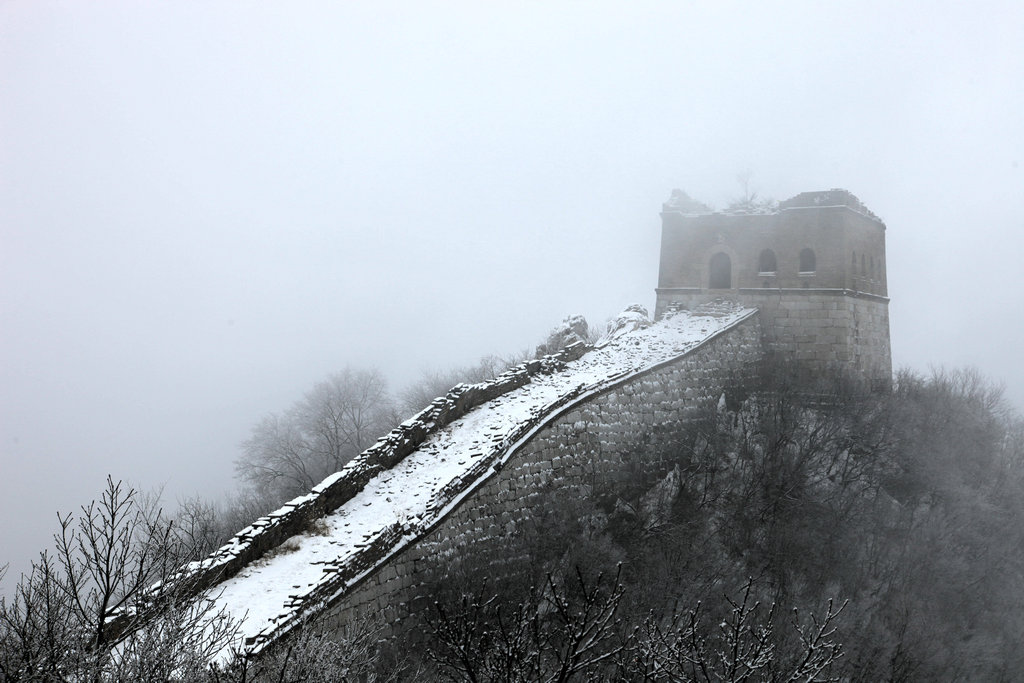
[(266, 591)]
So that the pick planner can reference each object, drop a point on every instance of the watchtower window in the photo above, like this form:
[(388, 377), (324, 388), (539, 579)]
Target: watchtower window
[(720, 272), (767, 263), (807, 261)]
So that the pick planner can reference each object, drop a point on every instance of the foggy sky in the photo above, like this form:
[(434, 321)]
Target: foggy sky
[(206, 207)]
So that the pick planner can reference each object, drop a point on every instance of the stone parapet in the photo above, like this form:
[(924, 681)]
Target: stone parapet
[(585, 437), (295, 516)]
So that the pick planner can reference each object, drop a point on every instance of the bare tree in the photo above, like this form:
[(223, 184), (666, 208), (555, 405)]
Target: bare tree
[(567, 630), (337, 419), (433, 383), (199, 526), (35, 632), (574, 632), (109, 555), (277, 458), (350, 653), (343, 415), (100, 608), (241, 508), (744, 647), (177, 643)]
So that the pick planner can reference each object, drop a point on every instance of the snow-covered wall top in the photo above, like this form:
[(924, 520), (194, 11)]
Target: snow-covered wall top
[(833, 197), (680, 202), (396, 491)]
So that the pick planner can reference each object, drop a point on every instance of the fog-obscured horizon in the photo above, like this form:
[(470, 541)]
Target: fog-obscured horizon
[(206, 208)]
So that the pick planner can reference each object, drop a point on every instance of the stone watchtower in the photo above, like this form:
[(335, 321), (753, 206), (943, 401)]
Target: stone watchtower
[(814, 266)]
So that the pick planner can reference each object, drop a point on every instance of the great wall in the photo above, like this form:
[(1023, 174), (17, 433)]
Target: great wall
[(472, 466), (468, 467)]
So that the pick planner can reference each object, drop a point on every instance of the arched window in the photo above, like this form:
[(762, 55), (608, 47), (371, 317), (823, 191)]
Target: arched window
[(807, 261), (720, 272), (853, 263), (871, 263), (766, 264)]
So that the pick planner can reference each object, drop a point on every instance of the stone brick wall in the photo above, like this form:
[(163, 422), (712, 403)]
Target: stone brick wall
[(834, 316), (838, 236), (295, 516), (828, 330), (825, 330), (585, 440)]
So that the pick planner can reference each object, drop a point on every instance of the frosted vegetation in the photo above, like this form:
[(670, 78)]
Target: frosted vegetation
[(795, 532)]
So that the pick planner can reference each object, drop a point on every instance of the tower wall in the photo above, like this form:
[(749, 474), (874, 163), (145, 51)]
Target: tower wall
[(823, 330), (828, 311)]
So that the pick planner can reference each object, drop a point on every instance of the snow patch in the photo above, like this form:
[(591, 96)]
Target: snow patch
[(398, 505)]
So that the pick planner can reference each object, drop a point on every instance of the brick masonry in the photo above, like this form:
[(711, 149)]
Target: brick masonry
[(828, 313), (823, 330), (585, 441)]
